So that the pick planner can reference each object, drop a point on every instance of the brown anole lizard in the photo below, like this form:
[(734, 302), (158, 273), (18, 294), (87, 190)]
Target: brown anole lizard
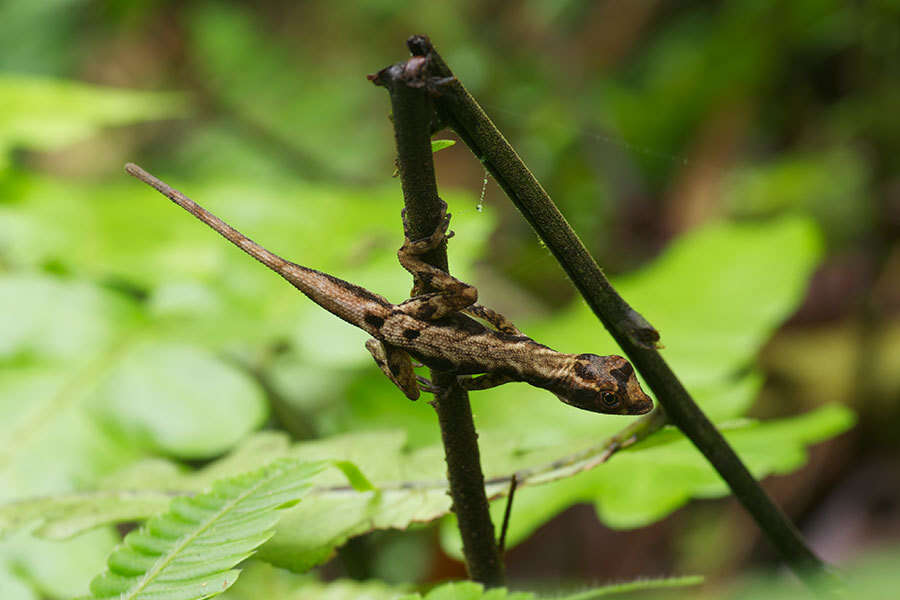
[(433, 329)]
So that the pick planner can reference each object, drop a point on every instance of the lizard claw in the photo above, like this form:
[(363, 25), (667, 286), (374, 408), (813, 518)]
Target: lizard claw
[(432, 241), (425, 385)]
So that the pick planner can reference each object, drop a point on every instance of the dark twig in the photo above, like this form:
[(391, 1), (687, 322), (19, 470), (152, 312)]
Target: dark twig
[(501, 543), (412, 116), (635, 336)]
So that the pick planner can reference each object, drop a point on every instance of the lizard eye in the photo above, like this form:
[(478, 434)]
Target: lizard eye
[(609, 400)]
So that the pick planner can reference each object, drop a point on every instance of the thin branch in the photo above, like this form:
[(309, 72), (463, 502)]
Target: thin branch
[(412, 116), (513, 483), (635, 336)]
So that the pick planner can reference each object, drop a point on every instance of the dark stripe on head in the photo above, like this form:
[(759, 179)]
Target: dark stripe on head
[(586, 370), (622, 375)]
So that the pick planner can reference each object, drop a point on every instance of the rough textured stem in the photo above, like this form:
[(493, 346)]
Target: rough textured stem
[(634, 335), (412, 114)]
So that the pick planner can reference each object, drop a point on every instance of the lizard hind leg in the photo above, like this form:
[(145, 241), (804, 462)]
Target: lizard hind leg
[(397, 365), (426, 244), (484, 382), (451, 295)]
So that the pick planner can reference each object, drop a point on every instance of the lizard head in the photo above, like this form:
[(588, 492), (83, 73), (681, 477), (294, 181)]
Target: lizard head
[(604, 384)]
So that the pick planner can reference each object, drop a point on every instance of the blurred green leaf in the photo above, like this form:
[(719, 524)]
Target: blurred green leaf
[(640, 486), (48, 442), (62, 516), (262, 580), (829, 186), (32, 568), (870, 575), (43, 114), (66, 425), (39, 37), (301, 104), (179, 400), (628, 588), (468, 590), (683, 64), (83, 394), (13, 588), (635, 488), (45, 318), (719, 292)]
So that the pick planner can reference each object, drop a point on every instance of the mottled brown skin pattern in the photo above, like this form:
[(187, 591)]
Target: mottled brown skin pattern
[(432, 328)]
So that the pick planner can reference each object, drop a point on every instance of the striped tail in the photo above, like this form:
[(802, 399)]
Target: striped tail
[(351, 303), (273, 261)]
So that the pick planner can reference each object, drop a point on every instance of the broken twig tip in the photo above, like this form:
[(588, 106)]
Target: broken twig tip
[(419, 45)]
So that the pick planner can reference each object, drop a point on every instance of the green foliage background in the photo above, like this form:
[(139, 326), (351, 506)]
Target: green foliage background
[(712, 162)]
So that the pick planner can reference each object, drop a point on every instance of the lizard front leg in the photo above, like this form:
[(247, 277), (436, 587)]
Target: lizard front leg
[(484, 382), (397, 365), (452, 295)]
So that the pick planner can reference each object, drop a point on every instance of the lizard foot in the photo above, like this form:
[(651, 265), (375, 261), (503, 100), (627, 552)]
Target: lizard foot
[(425, 385), (432, 241), (433, 85), (396, 365)]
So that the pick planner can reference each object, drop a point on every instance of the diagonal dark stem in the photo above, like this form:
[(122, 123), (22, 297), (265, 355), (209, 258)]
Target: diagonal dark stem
[(456, 107), (412, 113)]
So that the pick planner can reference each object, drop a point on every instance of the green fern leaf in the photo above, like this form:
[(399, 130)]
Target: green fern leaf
[(189, 552)]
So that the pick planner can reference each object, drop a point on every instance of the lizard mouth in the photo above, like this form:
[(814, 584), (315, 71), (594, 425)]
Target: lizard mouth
[(640, 407), (638, 403)]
